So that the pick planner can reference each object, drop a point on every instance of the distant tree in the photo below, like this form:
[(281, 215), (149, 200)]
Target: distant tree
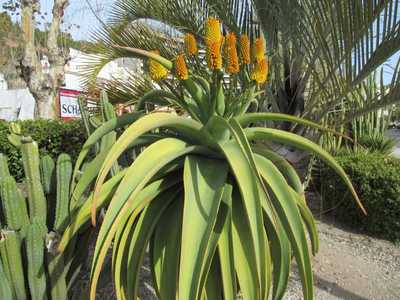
[(43, 83)]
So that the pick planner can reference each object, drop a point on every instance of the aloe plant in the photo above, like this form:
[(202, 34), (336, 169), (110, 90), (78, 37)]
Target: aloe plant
[(220, 212)]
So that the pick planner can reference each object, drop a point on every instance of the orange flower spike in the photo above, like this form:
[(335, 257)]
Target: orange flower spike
[(245, 49), (260, 72), (180, 67), (157, 70), (231, 52), (190, 44), (259, 49), (213, 31)]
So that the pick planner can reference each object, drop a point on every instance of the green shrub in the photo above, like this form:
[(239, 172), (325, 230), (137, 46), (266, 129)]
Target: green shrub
[(53, 137), (377, 180)]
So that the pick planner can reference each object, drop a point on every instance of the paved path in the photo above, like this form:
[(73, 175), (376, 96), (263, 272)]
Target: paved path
[(395, 133)]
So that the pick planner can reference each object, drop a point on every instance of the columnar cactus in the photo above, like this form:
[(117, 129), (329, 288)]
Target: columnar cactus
[(30, 227)]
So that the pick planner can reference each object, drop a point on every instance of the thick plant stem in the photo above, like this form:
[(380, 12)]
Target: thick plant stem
[(36, 198)]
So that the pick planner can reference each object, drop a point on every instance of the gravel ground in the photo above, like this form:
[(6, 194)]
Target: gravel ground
[(351, 266)]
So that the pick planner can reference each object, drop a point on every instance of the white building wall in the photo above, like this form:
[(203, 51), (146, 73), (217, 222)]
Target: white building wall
[(16, 105)]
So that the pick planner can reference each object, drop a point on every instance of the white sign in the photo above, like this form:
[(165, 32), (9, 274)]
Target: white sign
[(69, 107)]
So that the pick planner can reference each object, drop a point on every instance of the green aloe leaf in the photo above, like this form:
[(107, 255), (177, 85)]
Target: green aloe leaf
[(288, 138), (184, 126), (243, 250), (284, 166), (82, 216), (147, 164), (308, 220), (289, 214), (204, 180), (165, 251), (249, 118), (139, 238), (97, 135), (225, 249)]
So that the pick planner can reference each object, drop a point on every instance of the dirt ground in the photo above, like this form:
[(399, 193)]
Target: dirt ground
[(351, 266)]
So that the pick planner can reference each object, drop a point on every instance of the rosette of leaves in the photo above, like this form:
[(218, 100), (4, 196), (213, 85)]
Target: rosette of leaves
[(220, 213)]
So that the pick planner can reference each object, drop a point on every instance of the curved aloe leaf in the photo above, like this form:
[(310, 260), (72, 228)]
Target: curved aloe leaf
[(225, 249), (141, 236), (289, 215), (284, 166), (185, 126), (204, 181), (82, 216), (243, 250), (249, 118), (147, 54), (148, 163), (308, 220), (284, 137), (98, 134), (165, 253)]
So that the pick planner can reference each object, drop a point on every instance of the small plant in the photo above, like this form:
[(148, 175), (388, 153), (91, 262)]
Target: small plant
[(31, 226), (219, 213), (376, 178)]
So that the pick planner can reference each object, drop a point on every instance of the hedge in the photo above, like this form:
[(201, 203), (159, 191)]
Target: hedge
[(377, 180), (52, 136)]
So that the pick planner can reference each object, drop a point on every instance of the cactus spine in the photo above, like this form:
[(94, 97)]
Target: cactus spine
[(34, 243), (36, 198), (64, 173)]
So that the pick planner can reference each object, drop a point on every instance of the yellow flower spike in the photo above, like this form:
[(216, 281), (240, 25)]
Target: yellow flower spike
[(260, 72), (213, 31), (245, 49), (180, 67), (232, 66), (259, 49), (157, 70), (190, 44)]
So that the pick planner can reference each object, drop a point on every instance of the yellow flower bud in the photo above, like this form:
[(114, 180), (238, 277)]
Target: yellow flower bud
[(214, 57), (157, 70), (213, 31), (260, 71), (259, 49), (180, 67), (232, 65), (245, 49), (190, 44)]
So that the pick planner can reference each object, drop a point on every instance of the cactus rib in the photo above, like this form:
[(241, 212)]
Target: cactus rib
[(36, 197), (14, 205), (64, 173), (35, 234)]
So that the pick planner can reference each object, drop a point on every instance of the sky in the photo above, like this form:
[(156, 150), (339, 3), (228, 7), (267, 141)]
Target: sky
[(81, 20)]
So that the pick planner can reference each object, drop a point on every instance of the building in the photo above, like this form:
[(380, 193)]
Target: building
[(18, 104)]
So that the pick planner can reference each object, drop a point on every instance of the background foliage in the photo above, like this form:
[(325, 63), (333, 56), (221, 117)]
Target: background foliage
[(53, 137), (377, 180)]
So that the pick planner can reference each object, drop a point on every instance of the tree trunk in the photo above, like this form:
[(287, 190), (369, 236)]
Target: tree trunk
[(46, 108), (41, 83)]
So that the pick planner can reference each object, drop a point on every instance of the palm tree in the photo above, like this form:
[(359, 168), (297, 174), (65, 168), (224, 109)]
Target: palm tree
[(320, 51)]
